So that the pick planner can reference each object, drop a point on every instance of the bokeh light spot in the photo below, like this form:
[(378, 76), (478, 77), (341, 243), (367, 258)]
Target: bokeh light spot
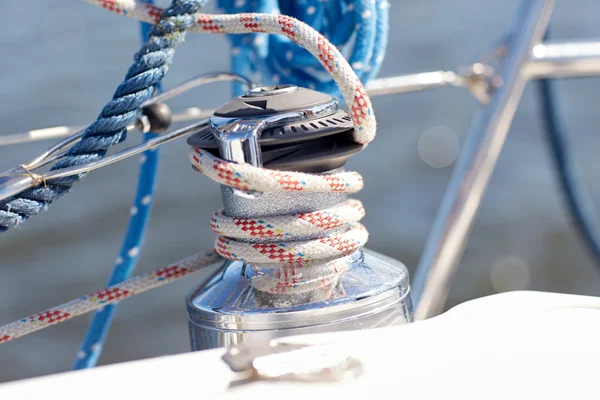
[(438, 147)]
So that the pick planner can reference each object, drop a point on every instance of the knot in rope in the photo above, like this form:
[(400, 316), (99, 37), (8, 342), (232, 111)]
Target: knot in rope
[(149, 67), (277, 247), (359, 28)]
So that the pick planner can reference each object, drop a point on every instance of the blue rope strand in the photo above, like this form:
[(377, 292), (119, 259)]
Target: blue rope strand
[(149, 67), (91, 347), (359, 28), (577, 200)]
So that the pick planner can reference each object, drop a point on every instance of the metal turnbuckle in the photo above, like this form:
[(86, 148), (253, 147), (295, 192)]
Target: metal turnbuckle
[(156, 116)]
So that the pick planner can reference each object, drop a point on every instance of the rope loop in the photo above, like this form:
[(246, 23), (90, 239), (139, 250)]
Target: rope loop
[(359, 28)]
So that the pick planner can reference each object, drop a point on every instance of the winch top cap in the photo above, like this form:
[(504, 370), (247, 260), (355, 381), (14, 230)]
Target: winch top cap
[(269, 100), (316, 138)]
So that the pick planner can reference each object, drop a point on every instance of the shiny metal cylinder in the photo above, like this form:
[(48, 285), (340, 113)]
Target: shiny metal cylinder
[(226, 310), (230, 308)]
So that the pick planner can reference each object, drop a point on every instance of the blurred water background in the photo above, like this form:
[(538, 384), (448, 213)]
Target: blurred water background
[(60, 62)]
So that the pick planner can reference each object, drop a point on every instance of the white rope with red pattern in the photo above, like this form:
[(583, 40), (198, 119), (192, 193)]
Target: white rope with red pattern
[(298, 264), (334, 63), (112, 294), (342, 234), (342, 216), (294, 265)]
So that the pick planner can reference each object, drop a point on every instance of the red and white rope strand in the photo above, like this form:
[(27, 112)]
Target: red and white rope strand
[(342, 216), (248, 177), (296, 265), (340, 232), (328, 55), (112, 294)]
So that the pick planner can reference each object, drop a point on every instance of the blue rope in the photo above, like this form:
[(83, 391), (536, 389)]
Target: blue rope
[(359, 28), (91, 347), (149, 67), (577, 201)]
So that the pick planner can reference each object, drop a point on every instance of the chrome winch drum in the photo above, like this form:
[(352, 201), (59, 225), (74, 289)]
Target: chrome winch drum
[(291, 129)]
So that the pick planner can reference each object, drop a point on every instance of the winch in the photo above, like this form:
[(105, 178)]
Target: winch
[(289, 128)]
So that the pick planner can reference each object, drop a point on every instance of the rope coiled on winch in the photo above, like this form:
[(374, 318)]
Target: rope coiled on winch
[(250, 178), (368, 49), (318, 257), (149, 67), (294, 264), (292, 271)]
